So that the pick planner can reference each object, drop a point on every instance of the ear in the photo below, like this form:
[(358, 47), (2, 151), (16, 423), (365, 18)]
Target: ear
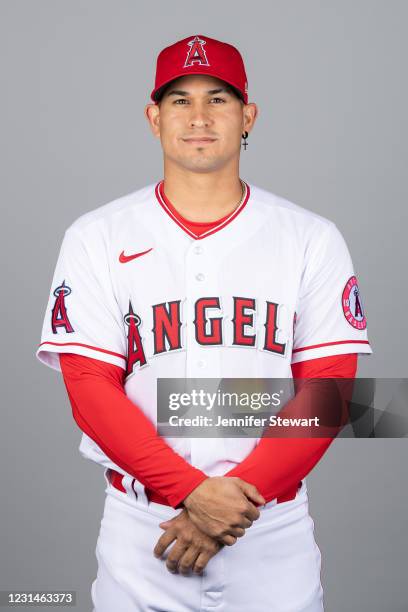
[(152, 114), (250, 114)]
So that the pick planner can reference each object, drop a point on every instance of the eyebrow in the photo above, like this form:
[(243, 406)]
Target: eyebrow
[(211, 92)]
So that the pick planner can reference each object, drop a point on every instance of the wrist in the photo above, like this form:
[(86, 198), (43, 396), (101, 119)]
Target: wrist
[(188, 501), (192, 486)]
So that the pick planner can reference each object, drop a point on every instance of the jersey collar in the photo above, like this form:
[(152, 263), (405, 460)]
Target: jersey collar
[(178, 219)]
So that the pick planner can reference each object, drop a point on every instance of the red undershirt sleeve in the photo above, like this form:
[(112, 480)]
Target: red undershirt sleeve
[(126, 435), (277, 465), (130, 439)]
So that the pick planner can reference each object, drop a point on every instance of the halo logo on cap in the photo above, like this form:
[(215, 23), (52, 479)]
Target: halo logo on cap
[(196, 53)]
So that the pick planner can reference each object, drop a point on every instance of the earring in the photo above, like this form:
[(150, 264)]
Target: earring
[(245, 136)]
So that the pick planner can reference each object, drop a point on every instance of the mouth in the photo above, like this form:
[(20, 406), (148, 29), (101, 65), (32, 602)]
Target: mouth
[(199, 141)]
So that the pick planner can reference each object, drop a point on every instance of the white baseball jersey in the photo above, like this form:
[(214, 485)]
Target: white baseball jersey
[(273, 284)]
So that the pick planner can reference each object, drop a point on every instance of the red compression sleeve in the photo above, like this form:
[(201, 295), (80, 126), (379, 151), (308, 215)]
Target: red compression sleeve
[(126, 435), (94, 386), (277, 465)]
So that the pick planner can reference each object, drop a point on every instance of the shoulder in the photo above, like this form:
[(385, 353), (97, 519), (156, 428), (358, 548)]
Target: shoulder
[(104, 215), (311, 234), (274, 205)]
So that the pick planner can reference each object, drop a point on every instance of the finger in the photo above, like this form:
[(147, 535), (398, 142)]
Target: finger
[(252, 493), (228, 540), (245, 522), (174, 556), (169, 522), (188, 559), (252, 513), (201, 562), (163, 542), (237, 532)]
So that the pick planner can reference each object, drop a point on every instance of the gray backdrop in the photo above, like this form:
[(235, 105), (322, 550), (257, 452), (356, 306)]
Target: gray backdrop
[(330, 80)]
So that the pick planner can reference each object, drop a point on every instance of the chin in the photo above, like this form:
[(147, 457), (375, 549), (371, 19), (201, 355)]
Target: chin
[(201, 163)]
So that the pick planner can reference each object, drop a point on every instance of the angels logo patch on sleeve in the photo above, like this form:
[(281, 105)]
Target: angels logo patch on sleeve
[(352, 304), (59, 316)]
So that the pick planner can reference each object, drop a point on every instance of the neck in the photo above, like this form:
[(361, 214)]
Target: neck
[(202, 196)]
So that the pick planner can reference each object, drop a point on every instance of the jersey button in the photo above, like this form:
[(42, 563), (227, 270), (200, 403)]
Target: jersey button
[(200, 276), (198, 249), (201, 363)]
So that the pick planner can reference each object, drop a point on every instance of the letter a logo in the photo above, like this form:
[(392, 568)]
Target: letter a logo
[(358, 311), (196, 53), (135, 345), (59, 316)]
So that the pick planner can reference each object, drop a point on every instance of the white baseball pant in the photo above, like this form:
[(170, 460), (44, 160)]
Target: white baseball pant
[(274, 567)]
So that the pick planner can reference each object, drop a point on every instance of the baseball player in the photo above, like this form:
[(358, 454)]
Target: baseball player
[(200, 275)]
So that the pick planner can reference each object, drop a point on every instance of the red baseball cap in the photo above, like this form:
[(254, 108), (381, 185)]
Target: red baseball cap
[(200, 54)]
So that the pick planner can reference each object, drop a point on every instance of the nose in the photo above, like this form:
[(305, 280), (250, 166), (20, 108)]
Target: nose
[(199, 116)]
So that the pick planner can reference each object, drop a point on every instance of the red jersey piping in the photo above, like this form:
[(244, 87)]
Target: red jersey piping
[(314, 346), (223, 222), (94, 348)]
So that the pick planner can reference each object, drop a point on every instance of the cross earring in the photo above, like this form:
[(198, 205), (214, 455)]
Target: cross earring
[(245, 136)]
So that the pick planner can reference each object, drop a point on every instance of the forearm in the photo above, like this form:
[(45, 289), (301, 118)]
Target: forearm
[(126, 435), (293, 460), (277, 465)]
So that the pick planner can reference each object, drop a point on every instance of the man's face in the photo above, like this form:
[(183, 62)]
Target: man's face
[(200, 123)]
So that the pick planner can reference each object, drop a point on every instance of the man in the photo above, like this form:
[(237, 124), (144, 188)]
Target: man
[(201, 275)]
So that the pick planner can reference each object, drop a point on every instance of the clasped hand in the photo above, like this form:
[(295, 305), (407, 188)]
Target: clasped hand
[(215, 514)]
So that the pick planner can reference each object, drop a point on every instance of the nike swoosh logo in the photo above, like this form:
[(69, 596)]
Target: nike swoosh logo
[(125, 258)]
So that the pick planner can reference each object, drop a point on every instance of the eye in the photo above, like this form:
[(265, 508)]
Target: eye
[(179, 100), (218, 99)]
